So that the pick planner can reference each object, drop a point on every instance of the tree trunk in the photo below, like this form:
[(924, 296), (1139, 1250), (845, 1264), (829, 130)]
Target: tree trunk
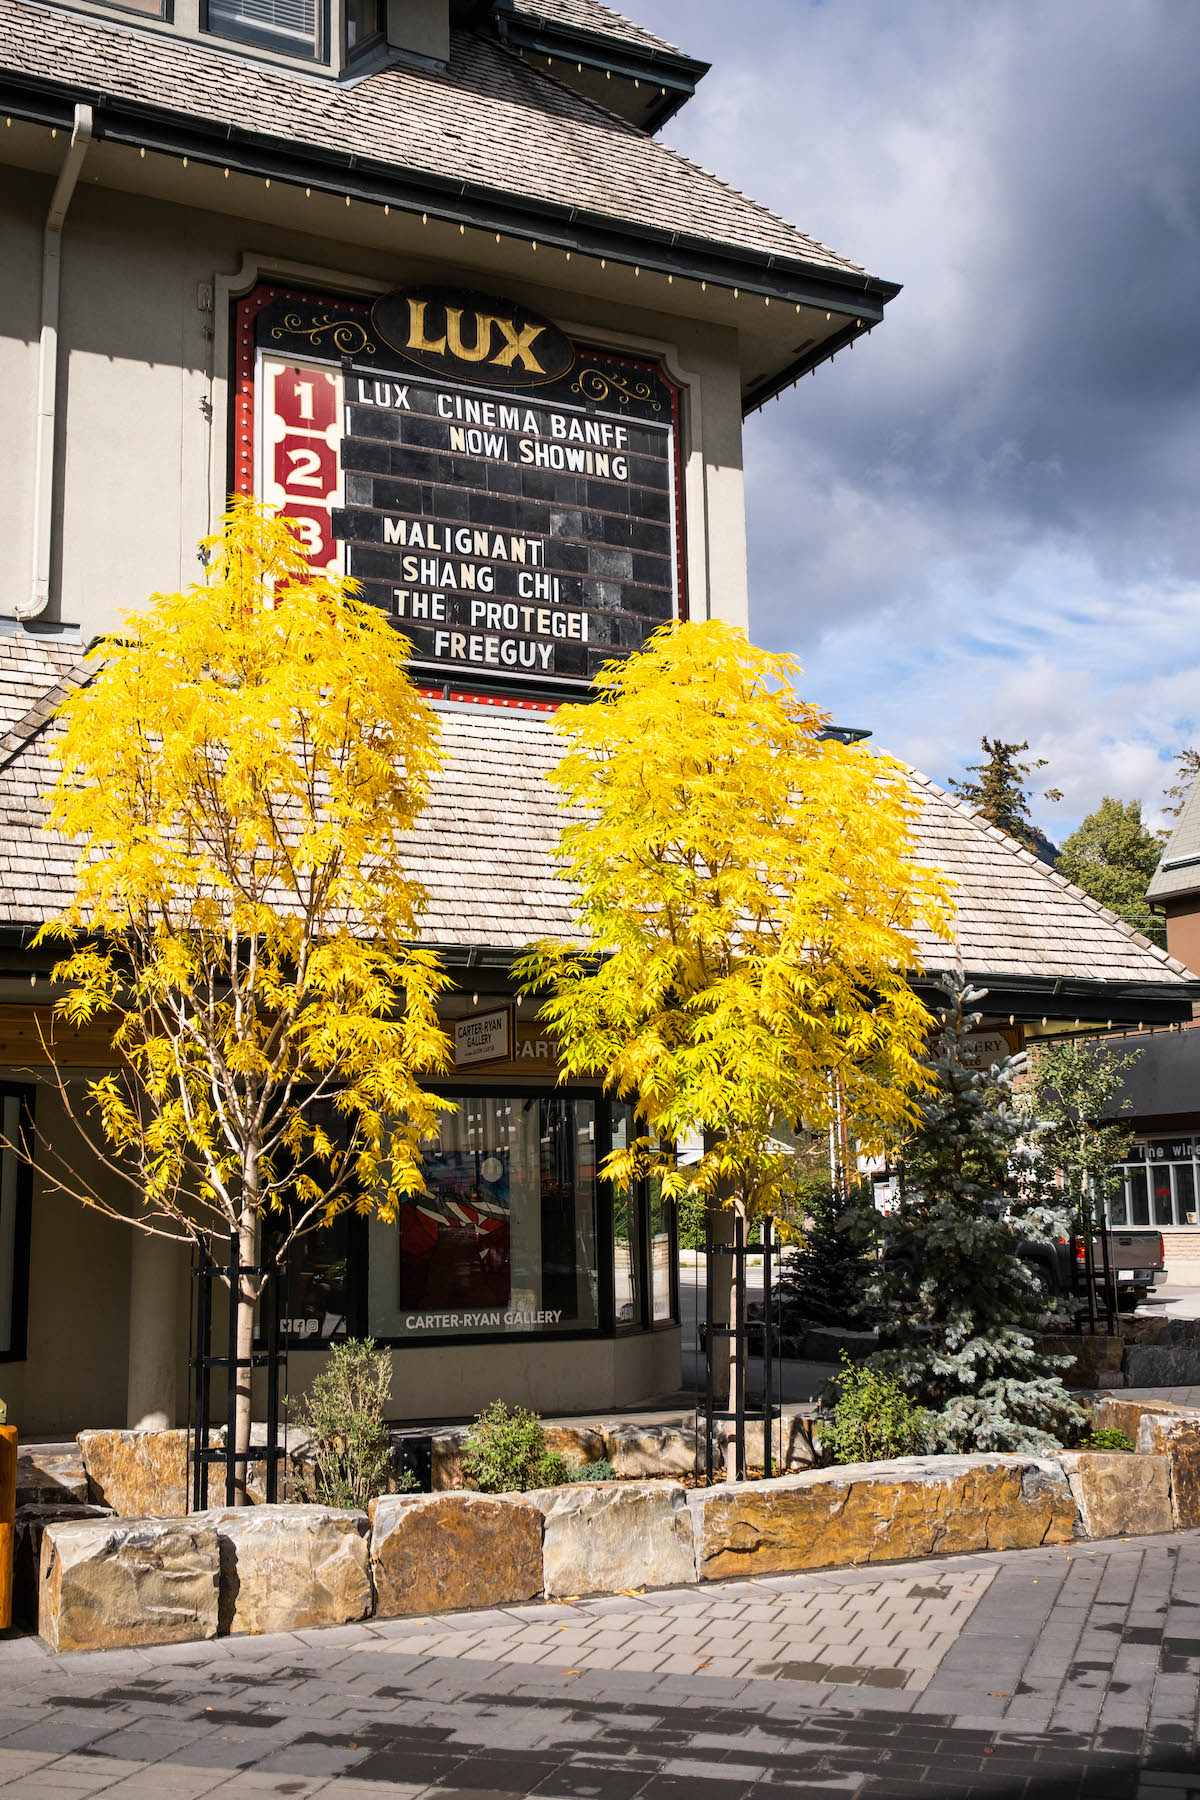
[(245, 1300)]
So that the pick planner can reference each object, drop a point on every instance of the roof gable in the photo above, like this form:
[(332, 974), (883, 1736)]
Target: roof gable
[(1178, 871)]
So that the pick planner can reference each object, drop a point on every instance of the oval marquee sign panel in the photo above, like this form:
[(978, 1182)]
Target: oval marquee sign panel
[(473, 337)]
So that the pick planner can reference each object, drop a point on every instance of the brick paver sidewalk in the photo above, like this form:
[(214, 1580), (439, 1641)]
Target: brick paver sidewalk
[(1044, 1674)]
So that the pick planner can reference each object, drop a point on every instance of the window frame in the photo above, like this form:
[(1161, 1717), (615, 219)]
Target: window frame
[(263, 38)]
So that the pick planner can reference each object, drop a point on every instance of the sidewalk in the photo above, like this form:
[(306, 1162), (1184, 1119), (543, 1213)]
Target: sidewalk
[(1044, 1674)]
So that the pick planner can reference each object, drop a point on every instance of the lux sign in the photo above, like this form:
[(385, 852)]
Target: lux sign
[(452, 332)]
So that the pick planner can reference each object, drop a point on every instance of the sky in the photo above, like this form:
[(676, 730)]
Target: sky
[(986, 519)]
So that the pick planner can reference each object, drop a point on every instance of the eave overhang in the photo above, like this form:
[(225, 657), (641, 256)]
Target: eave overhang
[(853, 300), (669, 76), (1030, 999)]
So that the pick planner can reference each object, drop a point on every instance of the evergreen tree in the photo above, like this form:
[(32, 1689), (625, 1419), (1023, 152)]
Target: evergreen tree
[(958, 1304), (1000, 794), (823, 1279), (1112, 856), (1187, 767)]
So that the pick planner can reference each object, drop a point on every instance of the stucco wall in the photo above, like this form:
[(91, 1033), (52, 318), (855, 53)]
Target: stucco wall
[(142, 464)]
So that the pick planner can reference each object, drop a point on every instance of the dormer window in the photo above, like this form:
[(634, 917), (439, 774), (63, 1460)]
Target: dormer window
[(364, 24), (295, 27)]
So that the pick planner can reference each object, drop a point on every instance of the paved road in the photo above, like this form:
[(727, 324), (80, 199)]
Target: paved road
[(1044, 1674)]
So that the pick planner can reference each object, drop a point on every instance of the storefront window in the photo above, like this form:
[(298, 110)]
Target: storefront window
[(315, 1302), (628, 1281), (1157, 1185), (662, 1234), (504, 1242)]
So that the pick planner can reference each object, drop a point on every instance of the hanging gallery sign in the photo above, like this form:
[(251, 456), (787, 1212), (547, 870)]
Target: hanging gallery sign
[(508, 497)]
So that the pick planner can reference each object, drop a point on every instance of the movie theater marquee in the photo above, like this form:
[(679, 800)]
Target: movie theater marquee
[(508, 497)]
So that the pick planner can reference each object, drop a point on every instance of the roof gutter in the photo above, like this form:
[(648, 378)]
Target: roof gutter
[(854, 295), (47, 406)]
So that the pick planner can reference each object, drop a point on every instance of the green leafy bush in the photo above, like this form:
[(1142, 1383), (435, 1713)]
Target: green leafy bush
[(1107, 1440), (506, 1452), (350, 1460), (600, 1470), (872, 1418)]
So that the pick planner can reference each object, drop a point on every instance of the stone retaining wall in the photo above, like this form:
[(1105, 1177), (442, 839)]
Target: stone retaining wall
[(106, 1582)]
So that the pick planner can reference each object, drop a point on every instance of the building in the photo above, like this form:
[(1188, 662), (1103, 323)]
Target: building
[(419, 272), (1159, 1097)]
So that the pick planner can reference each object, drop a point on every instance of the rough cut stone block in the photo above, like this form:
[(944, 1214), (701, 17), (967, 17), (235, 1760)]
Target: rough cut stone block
[(637, 1451), (577, 1444), (605, 1537), (1119, 1495), (140, 1474), (446, 1462), (1178, 1439), (287, 1568), (107, 1586), (882, 1512), (31, 1522), (1162, 1365), (49, 1477), (435, 1552), (1086, 1362), (1111, 1412)]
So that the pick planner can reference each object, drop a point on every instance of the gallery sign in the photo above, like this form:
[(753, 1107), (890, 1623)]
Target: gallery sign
[(510, 499), (483, 1038)]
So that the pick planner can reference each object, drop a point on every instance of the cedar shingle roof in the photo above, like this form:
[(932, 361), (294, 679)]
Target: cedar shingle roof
[(1018, 916), (485, 845), (1178, 870), (490, 119), (590, 15)]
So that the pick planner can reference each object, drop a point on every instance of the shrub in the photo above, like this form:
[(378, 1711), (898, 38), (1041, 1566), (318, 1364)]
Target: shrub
[(351, 1455), (506, 1452), (823, 1279), (872, 1418), (1107, 1440), (601, 1470)]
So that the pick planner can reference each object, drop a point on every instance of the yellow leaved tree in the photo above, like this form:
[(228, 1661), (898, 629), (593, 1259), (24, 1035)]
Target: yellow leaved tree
[(241, 772), (750, 898)]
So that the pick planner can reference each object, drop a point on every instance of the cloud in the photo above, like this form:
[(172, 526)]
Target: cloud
[(986, 518)]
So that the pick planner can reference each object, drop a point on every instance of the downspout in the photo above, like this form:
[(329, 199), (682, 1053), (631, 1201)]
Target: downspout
[(47, 412)]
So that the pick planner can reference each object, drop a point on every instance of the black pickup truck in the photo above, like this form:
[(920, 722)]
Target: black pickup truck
[(1135, 1254)]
